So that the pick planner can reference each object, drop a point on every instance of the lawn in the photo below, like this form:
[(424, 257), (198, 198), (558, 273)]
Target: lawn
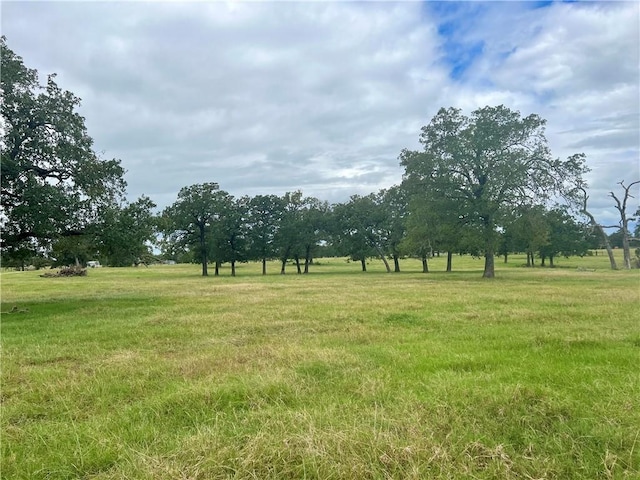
[(159, 373)]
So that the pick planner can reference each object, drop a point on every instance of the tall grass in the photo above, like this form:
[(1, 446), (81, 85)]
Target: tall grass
[(159, 373)]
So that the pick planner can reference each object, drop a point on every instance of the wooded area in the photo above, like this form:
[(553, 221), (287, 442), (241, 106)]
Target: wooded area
[(485, 184)]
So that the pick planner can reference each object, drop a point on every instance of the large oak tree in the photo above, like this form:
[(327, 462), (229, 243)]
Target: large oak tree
[(52, 182), (487, 164)]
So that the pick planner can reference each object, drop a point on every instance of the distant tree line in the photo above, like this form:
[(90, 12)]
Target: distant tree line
[(484, 185)]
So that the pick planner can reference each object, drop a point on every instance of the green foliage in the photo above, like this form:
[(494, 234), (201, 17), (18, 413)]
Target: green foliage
[(394, 204), (566, 237), (52, 181), (74, 250), (483, 166), (287, 238), (188, 221), (230, 230), (264, 217), (124, 232), (358, 227)]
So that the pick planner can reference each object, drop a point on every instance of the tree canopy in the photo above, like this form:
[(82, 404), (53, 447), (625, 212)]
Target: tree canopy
[(486, 164), (53, 183)]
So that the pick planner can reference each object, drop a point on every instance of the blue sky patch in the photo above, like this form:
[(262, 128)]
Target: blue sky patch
[(455, 20)]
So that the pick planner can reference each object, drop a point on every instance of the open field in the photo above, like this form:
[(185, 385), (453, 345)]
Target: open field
[(159, 373)]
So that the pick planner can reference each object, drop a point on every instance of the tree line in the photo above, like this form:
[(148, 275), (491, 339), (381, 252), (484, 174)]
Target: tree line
[(484, 184)]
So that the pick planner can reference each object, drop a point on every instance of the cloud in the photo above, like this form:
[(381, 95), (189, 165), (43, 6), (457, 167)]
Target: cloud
[(268, 97)]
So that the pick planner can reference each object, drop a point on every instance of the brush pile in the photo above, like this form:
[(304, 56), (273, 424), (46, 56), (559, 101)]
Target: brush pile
[(71, 271)]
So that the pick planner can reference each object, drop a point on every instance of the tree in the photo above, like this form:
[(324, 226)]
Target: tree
[(287, 238), (621, 206), (487, 163), (616, 239), (565, 236), (418, 240), (264, 218), (361, 230), (393, 203), (530, 231), (124, 233), (189, 219), (74, 250), (230, 231), (52, 182), (440, 220), (348, 233), (312, 227)]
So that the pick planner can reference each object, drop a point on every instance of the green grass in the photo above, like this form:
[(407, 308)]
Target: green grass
[(158, 373)]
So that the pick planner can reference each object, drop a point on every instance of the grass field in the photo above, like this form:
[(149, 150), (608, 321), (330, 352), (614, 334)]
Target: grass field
[(159, 373)]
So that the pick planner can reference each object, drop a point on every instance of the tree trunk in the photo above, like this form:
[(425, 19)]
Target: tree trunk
[(505, 257), (542, 260), (607, 245), (307, 259), (233, 268), (298, 269), (384, 259), (626, 249), (205, 272), (284, 259), (449, 259), (425, 265), (550, 261), (396, 264), (217, 268), (203, 253), (264, 266), (489, 266), (605, 238), (363, 262)]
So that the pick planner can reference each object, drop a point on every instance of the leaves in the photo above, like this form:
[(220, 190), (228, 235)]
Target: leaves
[(53, 183), (479, 168)]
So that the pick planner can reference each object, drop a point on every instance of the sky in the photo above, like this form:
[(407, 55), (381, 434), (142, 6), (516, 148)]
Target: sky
[(270, 97)]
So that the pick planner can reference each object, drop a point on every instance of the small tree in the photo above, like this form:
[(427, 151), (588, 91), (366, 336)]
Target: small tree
[(621, 206), (566, 237), (264, 218), (230, 231), (189, 219)]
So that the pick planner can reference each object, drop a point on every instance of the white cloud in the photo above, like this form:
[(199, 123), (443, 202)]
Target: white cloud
[(268, 97)]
